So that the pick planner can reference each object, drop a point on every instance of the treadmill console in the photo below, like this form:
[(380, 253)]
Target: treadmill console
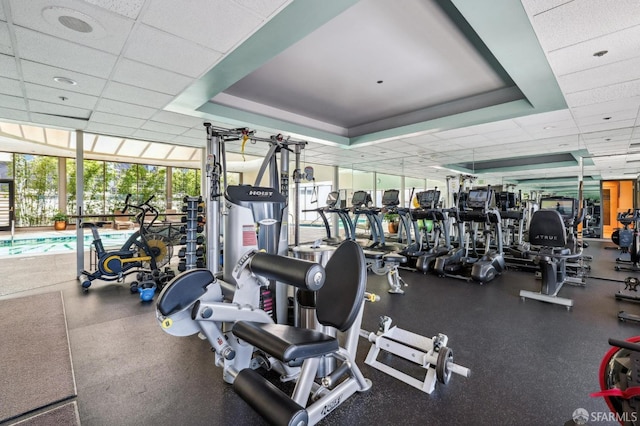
[(428, 199), (391, 198), (567, 207), (479, 198), (360, 199)]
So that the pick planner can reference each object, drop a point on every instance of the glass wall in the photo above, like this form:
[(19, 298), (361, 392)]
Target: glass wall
[(106, 185), (36, 184), (6, 161)]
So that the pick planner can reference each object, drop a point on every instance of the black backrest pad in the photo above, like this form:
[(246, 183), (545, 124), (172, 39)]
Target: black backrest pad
[(339, 300), (547, 229), (183, 290)]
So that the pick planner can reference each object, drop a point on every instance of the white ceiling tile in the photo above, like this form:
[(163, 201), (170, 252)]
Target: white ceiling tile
[(53, 95), (130, 8), (605, 109), (580, 20), (196, 133), (109, 129), (5, 39), (620, 45), (603, 76), (13, 102), (180, 119), (110, 38), (615, 119), (608, 125), (184, 140), (123, 108), (8, 67), (612, 134), (149, 135), (10, 87), (63, 54), (119, 120), (3, 16), (149, 77), (169, 129), (57, 109), (65, 123), (164, 50), (135, 95), (263, 8), (543, 119), (13, 114), (219, 24), (603, 94), (34, 72), (533, 7)]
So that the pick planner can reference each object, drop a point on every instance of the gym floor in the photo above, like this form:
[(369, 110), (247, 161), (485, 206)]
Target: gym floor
[(532, 363)]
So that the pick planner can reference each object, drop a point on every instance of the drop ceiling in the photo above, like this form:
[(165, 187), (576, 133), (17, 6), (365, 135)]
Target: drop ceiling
[(510, 91)]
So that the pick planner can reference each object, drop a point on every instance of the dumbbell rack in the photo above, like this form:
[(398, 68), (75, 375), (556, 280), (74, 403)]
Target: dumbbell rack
[(192, 254)]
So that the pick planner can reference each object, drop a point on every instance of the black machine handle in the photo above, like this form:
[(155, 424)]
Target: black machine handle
[(126, 204), (625, 345), (299, 273)]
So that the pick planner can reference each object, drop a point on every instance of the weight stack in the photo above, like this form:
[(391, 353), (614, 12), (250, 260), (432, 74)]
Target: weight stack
[(192, 254)]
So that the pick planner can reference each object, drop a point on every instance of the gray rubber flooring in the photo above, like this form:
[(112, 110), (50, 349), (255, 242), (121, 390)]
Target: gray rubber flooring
[(532, 363)]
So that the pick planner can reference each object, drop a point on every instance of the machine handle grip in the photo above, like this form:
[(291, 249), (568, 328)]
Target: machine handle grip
[(126, 204), (625, 345), (296, 272)]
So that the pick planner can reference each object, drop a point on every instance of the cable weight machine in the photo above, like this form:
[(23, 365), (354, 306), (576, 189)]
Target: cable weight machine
[(255, 216)]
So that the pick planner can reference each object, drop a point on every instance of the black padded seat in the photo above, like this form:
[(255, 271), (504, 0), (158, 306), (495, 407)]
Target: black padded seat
[(337, 305), (374, 255), (288, 344), (547, 229), (185, 289), (394, 258)]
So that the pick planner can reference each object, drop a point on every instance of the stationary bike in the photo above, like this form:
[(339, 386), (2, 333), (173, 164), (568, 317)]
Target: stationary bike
[(144, 253)]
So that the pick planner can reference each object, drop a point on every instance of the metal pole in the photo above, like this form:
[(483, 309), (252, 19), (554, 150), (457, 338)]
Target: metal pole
[(212, 199), (296, 199), (79, 202)]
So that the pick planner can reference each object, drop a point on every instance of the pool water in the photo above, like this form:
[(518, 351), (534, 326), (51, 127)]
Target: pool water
[(55, 242)]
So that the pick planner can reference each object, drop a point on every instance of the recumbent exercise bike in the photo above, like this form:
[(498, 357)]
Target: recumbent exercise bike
[(144, 253)]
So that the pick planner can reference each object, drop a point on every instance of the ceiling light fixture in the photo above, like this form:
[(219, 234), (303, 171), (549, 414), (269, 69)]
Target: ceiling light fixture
[(600, 53), (65, 80), (606, 118), (548, 127), (380, 81)]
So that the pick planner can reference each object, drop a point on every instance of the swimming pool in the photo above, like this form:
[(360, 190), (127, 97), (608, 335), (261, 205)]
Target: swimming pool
[(55, 242)]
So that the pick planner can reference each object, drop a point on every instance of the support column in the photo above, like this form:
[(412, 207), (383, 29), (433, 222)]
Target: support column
[(62, 184), (169, 186), (79, 201)]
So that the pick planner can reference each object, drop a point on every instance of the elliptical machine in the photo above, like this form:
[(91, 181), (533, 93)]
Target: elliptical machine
[(474, 266)]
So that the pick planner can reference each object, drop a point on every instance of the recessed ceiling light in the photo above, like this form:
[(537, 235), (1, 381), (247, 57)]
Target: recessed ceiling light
[(600, 53), (380, 81), (73, 22), (65, 80), (548, 127)]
